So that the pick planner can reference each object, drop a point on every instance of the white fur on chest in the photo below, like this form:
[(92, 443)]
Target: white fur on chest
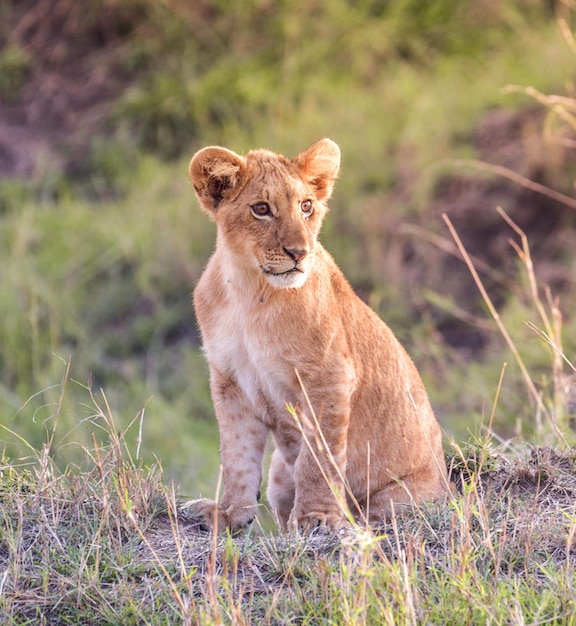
[(241, 344)]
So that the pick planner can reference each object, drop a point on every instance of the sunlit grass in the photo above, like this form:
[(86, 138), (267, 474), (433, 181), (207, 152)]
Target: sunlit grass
[(98, 271), (109, 543)]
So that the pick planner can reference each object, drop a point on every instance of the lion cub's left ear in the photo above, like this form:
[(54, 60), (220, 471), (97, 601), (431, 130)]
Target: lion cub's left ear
[(318, 166), (216, 173)]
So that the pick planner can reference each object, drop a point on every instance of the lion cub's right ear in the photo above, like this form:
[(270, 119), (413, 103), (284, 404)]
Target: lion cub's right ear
[(215, 173)]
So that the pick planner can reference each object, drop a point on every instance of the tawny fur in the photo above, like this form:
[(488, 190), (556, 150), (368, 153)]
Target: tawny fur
[(282, 326)]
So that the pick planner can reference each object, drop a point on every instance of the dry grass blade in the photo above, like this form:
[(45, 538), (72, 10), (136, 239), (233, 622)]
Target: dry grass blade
[(515, 177), (553, 326), (496, 316), (551, 343)]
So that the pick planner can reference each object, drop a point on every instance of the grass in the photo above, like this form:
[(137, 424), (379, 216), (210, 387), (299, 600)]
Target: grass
[(553, 408), (115, 305), (108, 540), (111, 543)]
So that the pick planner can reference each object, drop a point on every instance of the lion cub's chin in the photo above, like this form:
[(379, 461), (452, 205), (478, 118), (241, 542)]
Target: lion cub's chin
[(289, 280)]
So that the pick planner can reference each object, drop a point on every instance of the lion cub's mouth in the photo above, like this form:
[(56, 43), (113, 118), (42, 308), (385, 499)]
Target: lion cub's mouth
[(292, 270), (293, 277)]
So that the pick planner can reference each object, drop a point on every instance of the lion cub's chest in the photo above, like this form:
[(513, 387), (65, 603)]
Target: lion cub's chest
[(243, 343)]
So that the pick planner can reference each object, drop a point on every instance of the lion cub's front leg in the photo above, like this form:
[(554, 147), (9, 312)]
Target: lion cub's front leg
[(311, 492), (313, 503), (320, 498), (242, 441)]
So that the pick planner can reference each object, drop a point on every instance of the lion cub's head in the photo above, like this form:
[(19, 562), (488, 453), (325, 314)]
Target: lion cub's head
[(268, 208)]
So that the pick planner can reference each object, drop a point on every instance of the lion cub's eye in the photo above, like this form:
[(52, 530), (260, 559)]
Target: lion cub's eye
[(261, 209), (307, 207)]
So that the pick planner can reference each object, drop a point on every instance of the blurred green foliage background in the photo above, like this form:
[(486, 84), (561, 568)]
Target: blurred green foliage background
[(102, 103)]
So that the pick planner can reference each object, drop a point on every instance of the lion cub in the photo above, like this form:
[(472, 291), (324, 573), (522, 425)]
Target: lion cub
[(282, 327)]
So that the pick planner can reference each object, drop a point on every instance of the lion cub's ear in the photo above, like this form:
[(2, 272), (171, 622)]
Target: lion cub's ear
[(215, 173), (318, 166)]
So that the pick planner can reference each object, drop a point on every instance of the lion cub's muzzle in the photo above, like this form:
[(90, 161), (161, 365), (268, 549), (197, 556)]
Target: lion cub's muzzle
[(289, 268)]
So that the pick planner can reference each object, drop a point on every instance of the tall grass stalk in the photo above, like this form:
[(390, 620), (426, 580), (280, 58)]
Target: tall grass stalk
[(552, 324)]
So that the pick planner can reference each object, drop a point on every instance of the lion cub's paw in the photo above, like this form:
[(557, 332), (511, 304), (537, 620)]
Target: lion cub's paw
[(209, 515), (318, 520)]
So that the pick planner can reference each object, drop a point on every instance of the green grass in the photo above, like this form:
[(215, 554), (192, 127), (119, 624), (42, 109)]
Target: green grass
[(109, 292)]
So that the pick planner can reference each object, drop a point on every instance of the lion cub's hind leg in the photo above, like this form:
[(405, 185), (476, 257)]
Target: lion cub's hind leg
[(402, 494), (281, 489)]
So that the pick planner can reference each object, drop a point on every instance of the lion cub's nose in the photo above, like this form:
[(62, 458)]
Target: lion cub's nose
[(296, 254)]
